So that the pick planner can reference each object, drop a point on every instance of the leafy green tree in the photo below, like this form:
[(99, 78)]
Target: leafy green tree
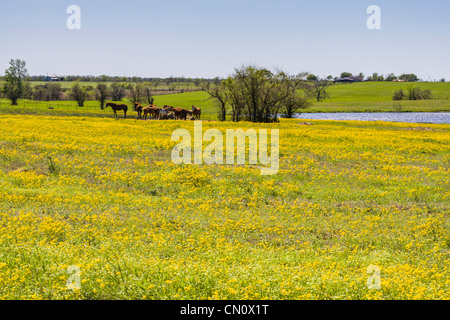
[(259, 95), (78, 93), (409, 77), (118, 91), (311, 77), (295, 102), (346, 74), (390, 77), (15, 81)]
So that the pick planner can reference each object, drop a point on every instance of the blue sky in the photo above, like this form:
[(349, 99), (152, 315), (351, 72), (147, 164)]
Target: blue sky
[(200, 38)]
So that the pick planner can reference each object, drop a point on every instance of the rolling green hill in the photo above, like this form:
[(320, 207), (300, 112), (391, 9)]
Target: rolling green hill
[(382, 91)]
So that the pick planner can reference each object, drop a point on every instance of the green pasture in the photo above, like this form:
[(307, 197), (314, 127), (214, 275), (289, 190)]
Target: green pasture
[(383, 91)]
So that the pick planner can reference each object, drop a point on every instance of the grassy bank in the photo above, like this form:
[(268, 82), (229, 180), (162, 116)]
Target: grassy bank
[(104, 195)]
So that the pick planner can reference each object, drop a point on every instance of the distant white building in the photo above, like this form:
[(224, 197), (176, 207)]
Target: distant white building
[(51, 78)]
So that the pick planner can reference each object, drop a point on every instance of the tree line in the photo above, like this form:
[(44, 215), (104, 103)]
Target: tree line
[(407, 77), (105, 78)]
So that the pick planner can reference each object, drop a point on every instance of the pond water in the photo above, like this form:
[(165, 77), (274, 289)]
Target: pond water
[(412, 117)]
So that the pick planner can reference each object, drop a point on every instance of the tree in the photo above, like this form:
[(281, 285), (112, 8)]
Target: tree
[(295, 102), (102, 94), (15, 81), (442, 80), (78, 93), (311, 77), (330, 77), (317, 90), (47, 92), (418, 94), (390, 77), (135, 93), (257, 94), (118, 91), (399, 95), (217, 81), (346, 74), (147, 92), (219, 92), (413, 94), (409, 77)]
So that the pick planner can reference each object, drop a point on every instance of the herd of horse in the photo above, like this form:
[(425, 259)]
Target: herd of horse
[(153, 112)]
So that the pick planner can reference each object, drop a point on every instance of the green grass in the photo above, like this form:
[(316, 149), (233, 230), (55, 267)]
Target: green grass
[(187, 100), (382, 91)]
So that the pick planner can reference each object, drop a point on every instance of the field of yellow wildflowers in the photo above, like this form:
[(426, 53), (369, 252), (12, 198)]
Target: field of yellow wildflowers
[(104, 195)]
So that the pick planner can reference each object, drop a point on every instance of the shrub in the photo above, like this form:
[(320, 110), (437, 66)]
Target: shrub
[(399, 95), (414, 93)]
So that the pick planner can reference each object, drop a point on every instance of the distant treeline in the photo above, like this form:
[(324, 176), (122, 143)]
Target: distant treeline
[(104, 78)]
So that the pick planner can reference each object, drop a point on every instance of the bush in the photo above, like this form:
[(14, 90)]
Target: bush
[(399, 95), (426, 95), (413, 94), (419, 94)]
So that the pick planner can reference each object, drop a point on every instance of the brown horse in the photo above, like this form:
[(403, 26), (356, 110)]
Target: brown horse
[(197, 112), (151, 110), (180, 114), (117, 107), (156, 111), (138, 108)]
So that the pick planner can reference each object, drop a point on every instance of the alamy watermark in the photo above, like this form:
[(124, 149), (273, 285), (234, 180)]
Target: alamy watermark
[(374, 281), (214, 153), (374, 21), (73, 22), (74, 281)]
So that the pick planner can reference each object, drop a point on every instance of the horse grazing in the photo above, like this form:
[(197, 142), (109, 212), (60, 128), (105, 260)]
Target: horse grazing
[(197, 112), (117, 107), (138, 108)]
